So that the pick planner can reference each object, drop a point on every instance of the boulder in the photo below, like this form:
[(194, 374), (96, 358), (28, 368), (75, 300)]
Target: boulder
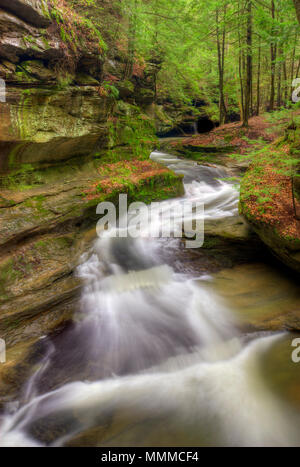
[(42, 124), (273, 218), (83, 79), (18, 38), (125, 88), (260, 296), (35, 69), (34, 12), (233, 228), (7, 70)]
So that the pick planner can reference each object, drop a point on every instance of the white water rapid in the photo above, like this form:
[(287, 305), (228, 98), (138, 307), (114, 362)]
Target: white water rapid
[(153, 356)]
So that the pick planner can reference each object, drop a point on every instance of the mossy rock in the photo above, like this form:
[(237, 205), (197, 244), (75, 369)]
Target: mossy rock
[(37, 70), (285, 247), (144, 96), (83, 79), (32, 11), (125, 88)]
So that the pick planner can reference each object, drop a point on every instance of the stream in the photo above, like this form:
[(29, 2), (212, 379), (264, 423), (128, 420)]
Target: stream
[(156, 356)]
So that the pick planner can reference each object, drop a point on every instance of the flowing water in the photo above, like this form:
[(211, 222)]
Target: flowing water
[(155, 357)]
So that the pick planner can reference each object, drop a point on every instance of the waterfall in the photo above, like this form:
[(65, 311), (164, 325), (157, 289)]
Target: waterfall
[(195, 127), (152, 344)]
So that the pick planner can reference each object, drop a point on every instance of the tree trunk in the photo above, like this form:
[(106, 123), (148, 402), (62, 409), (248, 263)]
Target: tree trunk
[(297, 6), (258, 80), (279, 79), (248, 65), (286, 92), (131, 41), (241, 53), (221, 39), (293, 58), (273, 61), (296, 184)]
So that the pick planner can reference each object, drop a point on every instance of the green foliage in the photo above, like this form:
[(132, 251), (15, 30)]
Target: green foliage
[(283, 115), (133, 131), (182, 35), (90, 26), (76, 29), (111, 90)]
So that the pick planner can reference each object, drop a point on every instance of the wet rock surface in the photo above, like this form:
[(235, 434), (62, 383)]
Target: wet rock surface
[(261, 296), (33, 11), (231, 228)]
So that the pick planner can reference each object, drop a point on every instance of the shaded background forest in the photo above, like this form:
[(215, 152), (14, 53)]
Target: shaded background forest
[(240, 57)]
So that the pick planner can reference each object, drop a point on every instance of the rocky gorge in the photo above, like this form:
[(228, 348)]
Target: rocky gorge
[(58, 141), (79, 117)]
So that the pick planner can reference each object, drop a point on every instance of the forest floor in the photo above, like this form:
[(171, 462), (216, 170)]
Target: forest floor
[(268, 146), (261, 129), (267, 188), (268, 194)]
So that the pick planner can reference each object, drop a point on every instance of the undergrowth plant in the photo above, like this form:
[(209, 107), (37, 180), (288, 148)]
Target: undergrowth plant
[(76, 30)]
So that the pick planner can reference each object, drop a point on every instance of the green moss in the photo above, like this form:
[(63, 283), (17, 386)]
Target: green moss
[(21, 176), (211, 243), (156, 188), (11, 270), (46, 43), (78, 29), (64, 80), (52, 245), (132, 132), (41, 244), (37, 203), (45, 9)]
